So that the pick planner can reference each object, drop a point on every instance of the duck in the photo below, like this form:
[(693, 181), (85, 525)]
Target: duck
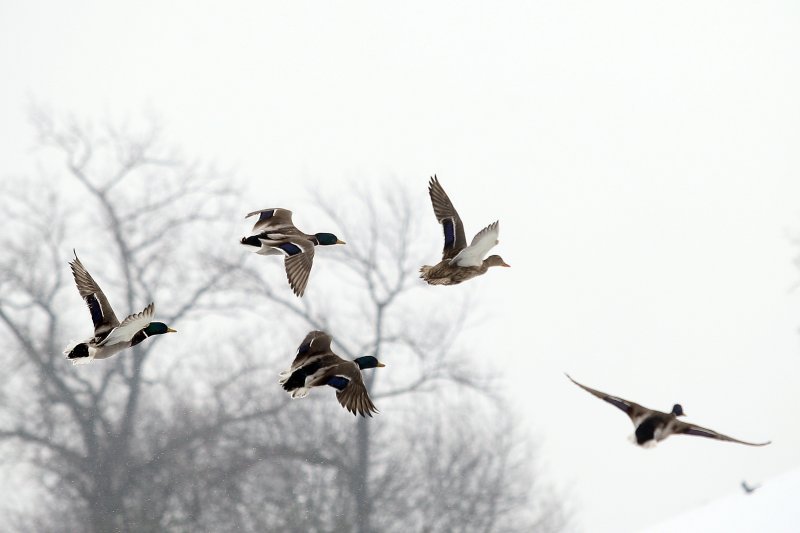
[(276, 234), (459, 262), (748, 489), (654, 426), (315, 365), (110, 335)]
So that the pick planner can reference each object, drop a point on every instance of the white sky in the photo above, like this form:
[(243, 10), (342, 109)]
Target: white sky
[(641, 156)]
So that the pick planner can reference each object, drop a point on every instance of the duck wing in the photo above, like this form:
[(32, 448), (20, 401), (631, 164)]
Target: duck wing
[(272, 219), (692, 429), (298, 251), (103, 315), (484, 240), (315, 344), (351, 392), (130, 326), (632, 409), (446, 214), (298, 263)]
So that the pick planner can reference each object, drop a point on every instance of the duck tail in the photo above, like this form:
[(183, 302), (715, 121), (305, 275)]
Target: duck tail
[(250, 241), (423, 271), (78, 353), (284, 376), (294, 380), (302, 392)]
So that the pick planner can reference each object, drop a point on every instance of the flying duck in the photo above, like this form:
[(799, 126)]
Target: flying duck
[(316, 365), (275, 234), (110, 335), (653, 426), (459, 261), (748, 489)]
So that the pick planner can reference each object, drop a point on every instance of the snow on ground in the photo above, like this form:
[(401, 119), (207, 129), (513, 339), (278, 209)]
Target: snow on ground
[(770, 509)]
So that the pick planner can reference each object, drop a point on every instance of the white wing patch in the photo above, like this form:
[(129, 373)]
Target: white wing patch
[(129, 327), (267, 249), (484, 240)]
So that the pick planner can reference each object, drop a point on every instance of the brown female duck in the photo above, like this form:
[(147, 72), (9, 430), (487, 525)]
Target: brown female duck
[(459, 261)]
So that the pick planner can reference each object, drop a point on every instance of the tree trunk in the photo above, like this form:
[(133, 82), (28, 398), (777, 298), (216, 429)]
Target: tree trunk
[(361, 478)]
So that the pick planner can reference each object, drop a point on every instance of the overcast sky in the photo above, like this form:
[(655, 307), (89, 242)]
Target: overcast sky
[(642, 158)]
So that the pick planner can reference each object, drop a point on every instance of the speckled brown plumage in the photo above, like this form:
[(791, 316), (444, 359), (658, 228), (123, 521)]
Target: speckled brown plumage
[(459, 262)]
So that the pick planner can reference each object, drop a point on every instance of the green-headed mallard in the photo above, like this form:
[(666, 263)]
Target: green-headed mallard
[(110, 335), (459, 261), (316, 365), (653, 426), (275, 234)]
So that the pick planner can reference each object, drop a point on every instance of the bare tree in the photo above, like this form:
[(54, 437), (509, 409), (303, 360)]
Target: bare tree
[(193, 433), (135, 202), (418, 467)]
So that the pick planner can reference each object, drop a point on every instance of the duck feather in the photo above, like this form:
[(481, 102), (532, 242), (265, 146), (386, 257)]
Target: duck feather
[(454, 238), (130, 326), (652, 425), (271, 219), (100, 310), (484, 240)]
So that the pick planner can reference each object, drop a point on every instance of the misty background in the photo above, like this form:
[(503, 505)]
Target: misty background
[(640, 157)]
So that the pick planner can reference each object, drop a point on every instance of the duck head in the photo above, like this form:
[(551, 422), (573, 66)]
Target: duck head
[(327, 239), (157, 328), (495, 261), (677, 410), (367, 361)]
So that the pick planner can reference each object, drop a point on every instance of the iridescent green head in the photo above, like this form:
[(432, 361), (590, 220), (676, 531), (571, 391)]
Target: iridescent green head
[(367, 361), (157, 328), (327, 239)]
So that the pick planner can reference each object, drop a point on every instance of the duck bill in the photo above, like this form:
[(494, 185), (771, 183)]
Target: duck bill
[(381, 365), (340, 242), (170, 330), (505, 265)]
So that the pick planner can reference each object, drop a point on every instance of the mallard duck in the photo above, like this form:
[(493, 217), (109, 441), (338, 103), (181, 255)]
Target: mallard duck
[(459, 261), (653, 426), (110, 335), (315, 365), (275, 234)]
